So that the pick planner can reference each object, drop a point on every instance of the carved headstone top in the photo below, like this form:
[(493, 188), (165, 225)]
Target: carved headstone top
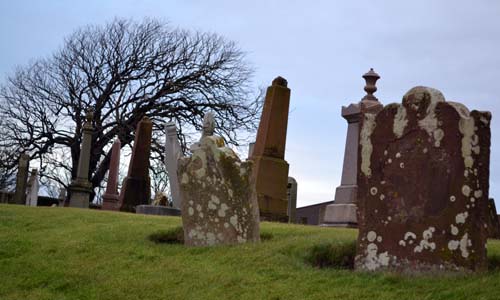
[(423, 185)]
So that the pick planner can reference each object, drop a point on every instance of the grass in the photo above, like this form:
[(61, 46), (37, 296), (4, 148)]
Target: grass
[(64, 253)]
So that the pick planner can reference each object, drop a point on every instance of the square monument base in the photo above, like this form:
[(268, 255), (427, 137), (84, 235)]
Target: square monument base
[(79, 199), (340, 215), (157, 210)]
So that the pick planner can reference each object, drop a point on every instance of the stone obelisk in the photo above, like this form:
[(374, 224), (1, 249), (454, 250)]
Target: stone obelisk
[(172, 153), (292, 200), (136, 188), (80, 187), (342, 213), (22, 179), (268, 154), (110, 197)]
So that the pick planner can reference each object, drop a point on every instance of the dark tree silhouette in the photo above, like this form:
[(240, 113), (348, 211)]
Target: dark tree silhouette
[(123, 71)]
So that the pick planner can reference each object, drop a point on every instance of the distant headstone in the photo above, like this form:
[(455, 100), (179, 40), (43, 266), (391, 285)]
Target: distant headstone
[(136, 189), (250, 150), (292, 200), (33, 187), (173, 152), (342, 213), (219, 204), (423, 186), (22, 179), (494, 224), (81, 188), (157, 210), (110, 197), (268, 154), (62, 196)]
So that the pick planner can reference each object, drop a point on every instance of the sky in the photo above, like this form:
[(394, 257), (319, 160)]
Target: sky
[(321, 47)]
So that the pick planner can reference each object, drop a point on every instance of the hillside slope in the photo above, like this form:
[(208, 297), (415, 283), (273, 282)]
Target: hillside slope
[(64, 253)]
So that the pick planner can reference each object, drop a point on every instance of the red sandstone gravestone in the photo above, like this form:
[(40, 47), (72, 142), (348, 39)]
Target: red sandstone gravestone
[(423, 186), (110, 197), (268, 153), (136, 186)]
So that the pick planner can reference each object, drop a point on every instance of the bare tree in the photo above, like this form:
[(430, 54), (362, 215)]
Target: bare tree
[(123, 71)]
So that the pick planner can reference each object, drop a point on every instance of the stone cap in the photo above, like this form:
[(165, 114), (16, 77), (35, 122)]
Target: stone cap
[(280, 81)]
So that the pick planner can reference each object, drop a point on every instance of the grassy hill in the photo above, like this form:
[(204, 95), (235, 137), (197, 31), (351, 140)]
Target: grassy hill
[(64, 253)]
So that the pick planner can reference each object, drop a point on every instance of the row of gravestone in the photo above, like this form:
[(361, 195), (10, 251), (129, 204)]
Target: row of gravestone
[(422, 181)]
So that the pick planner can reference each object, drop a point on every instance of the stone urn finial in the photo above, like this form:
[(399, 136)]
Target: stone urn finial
[(371, 78)]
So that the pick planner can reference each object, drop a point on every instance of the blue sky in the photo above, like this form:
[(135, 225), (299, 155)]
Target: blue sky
[(321, 47)]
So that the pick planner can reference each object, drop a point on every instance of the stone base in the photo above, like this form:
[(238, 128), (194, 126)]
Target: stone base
[(157, 210), (79, 199), (346, 194), (340, 215), (110, 202)]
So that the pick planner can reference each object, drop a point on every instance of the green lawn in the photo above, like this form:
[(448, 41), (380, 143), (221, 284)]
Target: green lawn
[(64, 253)]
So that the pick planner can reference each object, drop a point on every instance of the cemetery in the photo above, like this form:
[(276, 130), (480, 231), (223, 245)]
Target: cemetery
[(147, 192)]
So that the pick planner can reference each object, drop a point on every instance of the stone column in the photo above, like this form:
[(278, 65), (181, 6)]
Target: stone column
[(271, 169), (250, 149), (110, 197), (136, 188), (62, 196), (292, 200), (343, 212), (21, 179), (33, 187), (172, 153), (81, 188)]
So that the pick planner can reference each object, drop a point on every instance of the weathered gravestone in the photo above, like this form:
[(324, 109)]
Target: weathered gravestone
[(219, 204), (268, 153), (33, 187), (423, 186), (292, 200), (493, 224), (21, 179), (80, 187), (173, 152), (136, 188), (110, 197)]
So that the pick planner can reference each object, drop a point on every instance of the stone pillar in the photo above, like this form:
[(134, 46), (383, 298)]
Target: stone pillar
[(271, 169), (343, 212), (173, 152), (292, 200), (81, 188), (250, 149), (136, 189), (21, 179), (33, 187), (110, 197)]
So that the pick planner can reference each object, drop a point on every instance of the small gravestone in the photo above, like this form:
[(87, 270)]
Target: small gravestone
[(292, 200), (136, 188), (493, 225), (33, 187), (423, 186), (22, 179), (219, 204)]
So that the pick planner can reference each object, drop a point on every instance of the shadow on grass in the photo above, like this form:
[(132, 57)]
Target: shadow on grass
[(332, 255), (176, 236)]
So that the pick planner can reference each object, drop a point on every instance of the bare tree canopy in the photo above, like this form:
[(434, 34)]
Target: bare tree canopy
[(123, 71)]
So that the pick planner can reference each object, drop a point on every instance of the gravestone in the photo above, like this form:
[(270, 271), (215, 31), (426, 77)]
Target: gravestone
[(219, 204), (22, 179), (62, 196), (292, 200), (268, 153), (80, 187), (110, 197), (493, 224), (173, 152), (423, 186), (342, 213), (136, 188), (33, 187)]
